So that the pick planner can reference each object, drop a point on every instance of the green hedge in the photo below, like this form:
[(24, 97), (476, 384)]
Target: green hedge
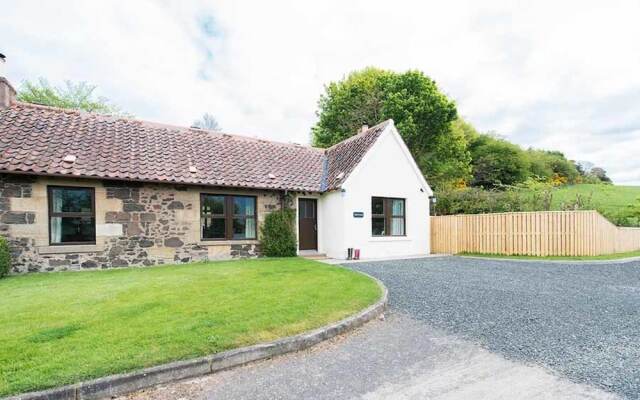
[(5, 257), (278, 234)]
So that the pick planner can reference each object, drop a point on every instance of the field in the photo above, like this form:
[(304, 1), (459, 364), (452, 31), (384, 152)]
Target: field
[(65, 327), (609, 199)]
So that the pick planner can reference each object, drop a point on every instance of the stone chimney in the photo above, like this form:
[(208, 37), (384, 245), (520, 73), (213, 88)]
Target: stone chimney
[(7, 92)]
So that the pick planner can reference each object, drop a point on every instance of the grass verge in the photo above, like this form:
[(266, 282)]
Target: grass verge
[(615, 256), (62, 328)]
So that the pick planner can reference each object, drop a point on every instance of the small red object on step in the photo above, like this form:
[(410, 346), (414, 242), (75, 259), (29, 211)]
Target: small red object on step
[(356, 256)]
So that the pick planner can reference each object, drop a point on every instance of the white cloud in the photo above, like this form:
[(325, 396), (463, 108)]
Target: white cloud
[(560, 75)]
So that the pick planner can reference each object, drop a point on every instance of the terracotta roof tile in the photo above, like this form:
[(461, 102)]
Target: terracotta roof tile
[(36, 139), (343, 157)]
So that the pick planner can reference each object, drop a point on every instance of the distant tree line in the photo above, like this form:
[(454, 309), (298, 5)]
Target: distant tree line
[(450, 151)]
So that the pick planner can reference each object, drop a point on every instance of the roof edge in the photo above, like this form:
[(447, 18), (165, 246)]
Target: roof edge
[(162, 182), (360, 134), (385, 127)]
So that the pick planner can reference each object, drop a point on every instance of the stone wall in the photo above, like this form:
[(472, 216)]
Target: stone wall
[(136, 225)]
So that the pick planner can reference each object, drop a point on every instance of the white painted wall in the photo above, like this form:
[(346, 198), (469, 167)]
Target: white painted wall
[(387, 170), (332, 228)]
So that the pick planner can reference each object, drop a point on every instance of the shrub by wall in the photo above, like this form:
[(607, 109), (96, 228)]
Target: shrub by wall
[(477, 201), (5, 257), (278, 234)]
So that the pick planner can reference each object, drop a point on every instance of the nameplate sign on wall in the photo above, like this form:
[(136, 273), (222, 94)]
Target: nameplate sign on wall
[(358, 214)]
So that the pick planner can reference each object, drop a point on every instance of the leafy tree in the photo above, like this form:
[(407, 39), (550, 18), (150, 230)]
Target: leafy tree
[(422, 114), (586, 166), (453, 147), (77, 96), (497, 162), (469, 131), (600, 174), (580, 167), (552, 166), (539, 164), (208, 122)]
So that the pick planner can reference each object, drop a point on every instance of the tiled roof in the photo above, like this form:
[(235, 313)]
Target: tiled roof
[(51, 141), (343, 157)]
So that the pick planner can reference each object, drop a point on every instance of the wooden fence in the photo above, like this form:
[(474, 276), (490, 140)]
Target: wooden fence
[(546, 233)]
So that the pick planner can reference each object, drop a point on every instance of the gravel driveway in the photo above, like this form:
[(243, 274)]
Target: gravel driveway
[(580, 320), (462, 328)]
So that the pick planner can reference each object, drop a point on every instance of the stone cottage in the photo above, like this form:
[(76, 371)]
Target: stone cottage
[(81, 190)]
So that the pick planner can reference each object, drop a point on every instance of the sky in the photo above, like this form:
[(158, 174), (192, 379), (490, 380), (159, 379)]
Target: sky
[(560, 75)]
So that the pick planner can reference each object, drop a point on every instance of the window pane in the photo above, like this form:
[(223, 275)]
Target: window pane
[(244, 228), (213, 228), (244, 205), (71, 200), (250, 231), (398, 207), (397, 226), (309, 210), (302, 209), (72, 229), (377, 205), (212, 204), (377, 226)]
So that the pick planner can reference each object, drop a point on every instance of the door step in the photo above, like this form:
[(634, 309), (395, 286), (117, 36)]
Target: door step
[(312, 255)]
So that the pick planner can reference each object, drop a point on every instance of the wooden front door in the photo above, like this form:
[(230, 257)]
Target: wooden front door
[(308, 224)]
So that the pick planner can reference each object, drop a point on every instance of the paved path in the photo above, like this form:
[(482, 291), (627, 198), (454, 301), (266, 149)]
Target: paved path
[(464, 329), (400, 358)]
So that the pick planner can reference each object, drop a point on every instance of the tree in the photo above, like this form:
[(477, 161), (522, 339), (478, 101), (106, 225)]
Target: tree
[(77, 96), (585, 167), (208, 122), (452, 149), (469, 131), (497, 162), (552, 166), (422, 114), (600, 174)]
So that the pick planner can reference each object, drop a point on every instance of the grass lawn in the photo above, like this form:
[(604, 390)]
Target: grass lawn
[(610, 199), (65, 327), (615, 256)]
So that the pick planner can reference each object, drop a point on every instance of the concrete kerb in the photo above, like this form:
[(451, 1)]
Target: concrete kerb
[(120, 384)]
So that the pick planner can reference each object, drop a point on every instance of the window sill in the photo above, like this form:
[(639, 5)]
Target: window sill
[(389, 239), (72, 248), (226, 242)]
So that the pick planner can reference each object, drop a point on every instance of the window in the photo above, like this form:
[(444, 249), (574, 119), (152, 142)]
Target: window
[(306, 209), (72, 218), (225, 217), (387, 217)]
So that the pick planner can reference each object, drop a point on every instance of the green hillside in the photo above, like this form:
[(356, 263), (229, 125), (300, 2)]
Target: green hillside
[(611, 200)]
